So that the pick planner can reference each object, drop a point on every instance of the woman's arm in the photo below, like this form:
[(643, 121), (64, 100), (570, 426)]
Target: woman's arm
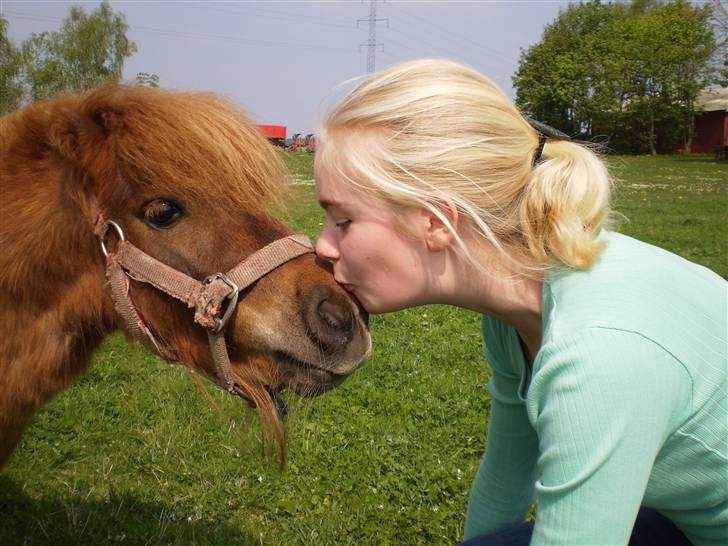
[(503, 489)]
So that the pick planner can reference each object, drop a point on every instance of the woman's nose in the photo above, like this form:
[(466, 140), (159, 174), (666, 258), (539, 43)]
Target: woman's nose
[(325, 249)]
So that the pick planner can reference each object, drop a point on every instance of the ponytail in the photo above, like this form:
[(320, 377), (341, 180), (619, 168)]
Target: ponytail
[(565, 204)]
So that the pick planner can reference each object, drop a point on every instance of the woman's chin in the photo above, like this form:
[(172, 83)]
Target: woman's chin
[(371, 307), (377, 306), (380, 307)]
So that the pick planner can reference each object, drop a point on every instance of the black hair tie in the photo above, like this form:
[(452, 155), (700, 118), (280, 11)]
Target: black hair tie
[(539, 150), (544, 132)]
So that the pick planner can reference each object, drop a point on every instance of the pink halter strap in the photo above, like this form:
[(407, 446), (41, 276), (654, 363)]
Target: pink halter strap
[(207, 297)]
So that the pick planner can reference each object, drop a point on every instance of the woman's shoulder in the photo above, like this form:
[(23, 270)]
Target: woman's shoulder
[(626, 261), (623, 365), (637, 287), (650, 296)]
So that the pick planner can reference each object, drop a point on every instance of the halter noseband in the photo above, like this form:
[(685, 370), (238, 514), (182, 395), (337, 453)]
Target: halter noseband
[(206, 297)]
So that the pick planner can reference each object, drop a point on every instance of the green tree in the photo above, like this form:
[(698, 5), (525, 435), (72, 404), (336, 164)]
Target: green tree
[(88, 49), (11, 90), (569, 77), (146, 79), (719, 24), (670, 48), (630, 72)]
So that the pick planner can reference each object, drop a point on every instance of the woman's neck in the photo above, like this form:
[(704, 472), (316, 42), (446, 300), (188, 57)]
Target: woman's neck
[(496, 290)]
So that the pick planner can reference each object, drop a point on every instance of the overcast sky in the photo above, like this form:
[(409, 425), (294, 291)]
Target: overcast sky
[(280, 60)]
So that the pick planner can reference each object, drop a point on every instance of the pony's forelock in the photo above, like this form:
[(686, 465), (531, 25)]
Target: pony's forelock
[(206, 138)]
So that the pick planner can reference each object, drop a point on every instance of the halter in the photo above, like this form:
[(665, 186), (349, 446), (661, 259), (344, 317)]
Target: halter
[(207, 297)]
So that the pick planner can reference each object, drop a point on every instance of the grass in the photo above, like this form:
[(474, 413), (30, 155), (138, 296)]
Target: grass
[(134, 453), (678, 203)]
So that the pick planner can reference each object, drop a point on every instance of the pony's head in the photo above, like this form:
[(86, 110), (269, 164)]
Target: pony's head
[(191, 182)]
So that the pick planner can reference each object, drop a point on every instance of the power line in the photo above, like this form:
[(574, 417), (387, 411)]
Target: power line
[(299, 16), (197, 36), (433, 45), (456, 39), (271, 14), (401, 46)]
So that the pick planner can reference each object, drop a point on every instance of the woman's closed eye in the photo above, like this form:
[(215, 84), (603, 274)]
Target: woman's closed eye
[(342, 224)]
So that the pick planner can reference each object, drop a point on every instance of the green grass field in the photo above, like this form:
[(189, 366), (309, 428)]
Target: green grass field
[(135, 453)]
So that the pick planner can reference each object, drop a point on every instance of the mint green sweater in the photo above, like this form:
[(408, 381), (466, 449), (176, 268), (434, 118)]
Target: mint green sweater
[(626, 404)]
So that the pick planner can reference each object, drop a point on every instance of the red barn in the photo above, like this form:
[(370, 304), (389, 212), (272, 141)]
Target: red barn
[(275, 133), (711, 123)]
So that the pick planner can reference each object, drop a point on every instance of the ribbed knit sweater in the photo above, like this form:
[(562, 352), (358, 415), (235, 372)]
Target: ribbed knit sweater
[(625, 404)]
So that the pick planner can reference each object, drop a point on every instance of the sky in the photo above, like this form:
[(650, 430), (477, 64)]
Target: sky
[(284, 63)]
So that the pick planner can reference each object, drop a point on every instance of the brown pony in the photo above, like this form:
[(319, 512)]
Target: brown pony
[(191, 182)]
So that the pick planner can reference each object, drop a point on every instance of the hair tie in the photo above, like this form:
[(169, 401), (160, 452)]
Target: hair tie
[(544, 132), (539, 150)]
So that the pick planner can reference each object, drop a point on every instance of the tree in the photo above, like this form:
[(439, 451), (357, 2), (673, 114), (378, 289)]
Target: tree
[(11, 90), (631, 72), (672, 45), (88, 50), (146, 79), (567, 78), (719, 24)]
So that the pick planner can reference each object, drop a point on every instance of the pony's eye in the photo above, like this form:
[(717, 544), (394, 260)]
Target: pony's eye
[(162, 214)]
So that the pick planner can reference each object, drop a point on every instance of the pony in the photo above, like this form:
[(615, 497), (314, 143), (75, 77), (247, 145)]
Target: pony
[(186, 180)]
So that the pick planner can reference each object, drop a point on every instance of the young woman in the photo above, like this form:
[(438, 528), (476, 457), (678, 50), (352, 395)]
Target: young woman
[(608, 355)]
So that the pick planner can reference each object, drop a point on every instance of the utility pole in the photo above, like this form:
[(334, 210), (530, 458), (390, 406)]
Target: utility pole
[(372, 41)]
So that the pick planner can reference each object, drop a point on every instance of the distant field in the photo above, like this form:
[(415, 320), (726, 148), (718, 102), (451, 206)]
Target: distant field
[(134, 453)]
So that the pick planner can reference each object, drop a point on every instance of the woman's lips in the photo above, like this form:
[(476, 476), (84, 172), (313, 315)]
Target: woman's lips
[(345, 285)]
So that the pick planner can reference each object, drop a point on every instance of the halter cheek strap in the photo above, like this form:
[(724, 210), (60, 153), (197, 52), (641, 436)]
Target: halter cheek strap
[(207, 297)]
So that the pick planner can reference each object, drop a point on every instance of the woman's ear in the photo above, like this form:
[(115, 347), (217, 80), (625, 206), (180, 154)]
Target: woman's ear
[(442, 226)]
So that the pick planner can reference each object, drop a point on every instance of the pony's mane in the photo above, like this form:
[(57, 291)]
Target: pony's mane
[(194, 145), (191, 145)]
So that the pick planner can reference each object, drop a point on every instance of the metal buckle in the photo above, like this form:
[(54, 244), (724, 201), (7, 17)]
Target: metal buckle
[(232, 296), (119, 232)]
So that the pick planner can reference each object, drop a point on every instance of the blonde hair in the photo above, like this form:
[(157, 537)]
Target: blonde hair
[(442, 131)]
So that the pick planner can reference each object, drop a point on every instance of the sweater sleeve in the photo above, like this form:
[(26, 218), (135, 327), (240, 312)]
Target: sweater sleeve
[(602, 403), (503, 488)]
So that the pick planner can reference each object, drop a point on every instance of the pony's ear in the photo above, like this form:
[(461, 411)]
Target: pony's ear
[(64, 134), (108, 119), (81, 134), (77, 129)]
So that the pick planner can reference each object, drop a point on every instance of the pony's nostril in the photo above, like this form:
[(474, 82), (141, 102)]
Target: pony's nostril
[(335, 315), (331, 318)]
